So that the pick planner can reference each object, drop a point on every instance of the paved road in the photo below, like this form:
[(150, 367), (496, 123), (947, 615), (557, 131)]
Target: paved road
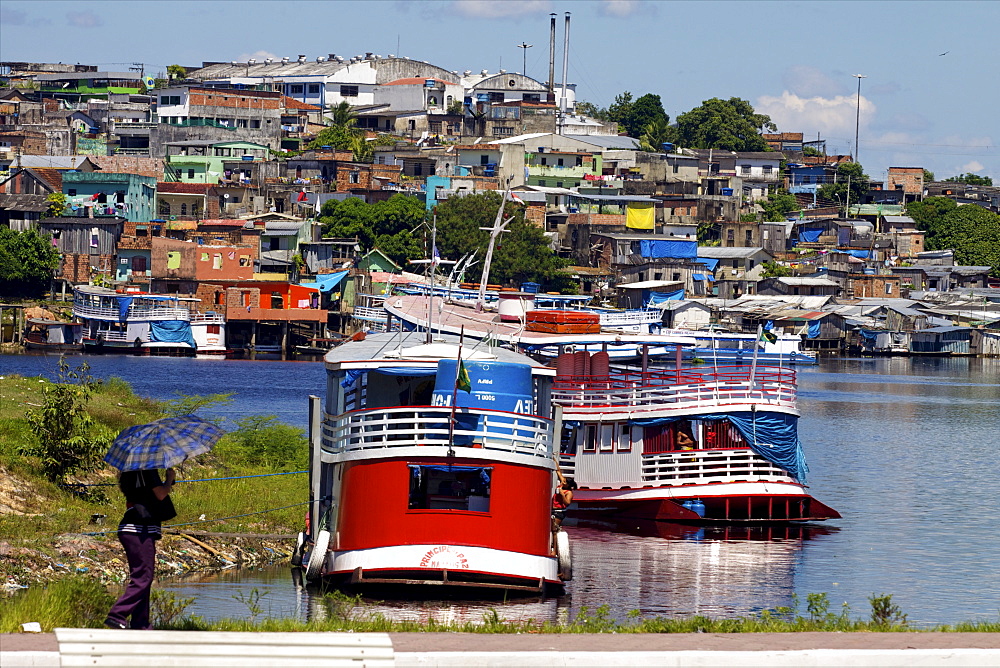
[(446, 650)]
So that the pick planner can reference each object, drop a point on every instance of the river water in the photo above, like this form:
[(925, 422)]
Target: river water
[(906, 449)]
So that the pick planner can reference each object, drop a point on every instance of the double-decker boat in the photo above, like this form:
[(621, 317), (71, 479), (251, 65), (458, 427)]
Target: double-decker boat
[(430, 471), (705, 444)]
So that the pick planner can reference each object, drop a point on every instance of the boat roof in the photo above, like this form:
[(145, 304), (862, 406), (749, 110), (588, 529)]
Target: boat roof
[(410, 349)]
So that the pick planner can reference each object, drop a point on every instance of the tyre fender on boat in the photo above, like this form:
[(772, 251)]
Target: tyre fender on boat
[(317, 556), (565, 556), (300, 546)]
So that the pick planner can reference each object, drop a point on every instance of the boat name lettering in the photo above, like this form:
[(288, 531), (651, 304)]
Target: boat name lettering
[(443, 556), (484, 381)]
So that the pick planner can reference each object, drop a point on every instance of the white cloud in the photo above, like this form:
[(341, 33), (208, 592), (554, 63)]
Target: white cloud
[(259, 55), (830, 116), (84, 20), (973, 167), (623, 8), (501, 9)]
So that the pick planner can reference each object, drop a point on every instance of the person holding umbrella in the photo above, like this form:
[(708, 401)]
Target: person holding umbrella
[(138, 452)]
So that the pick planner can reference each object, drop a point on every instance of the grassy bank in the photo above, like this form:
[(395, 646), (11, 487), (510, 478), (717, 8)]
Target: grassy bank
[(49, 530), (78, 602)]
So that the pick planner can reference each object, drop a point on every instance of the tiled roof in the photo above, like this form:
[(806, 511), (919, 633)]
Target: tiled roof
[(292, 103), (53, 177)]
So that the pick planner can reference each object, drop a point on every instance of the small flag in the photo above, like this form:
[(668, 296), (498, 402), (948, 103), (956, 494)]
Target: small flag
[(463, 382), (766, 334), (515, 198), (435, 257)]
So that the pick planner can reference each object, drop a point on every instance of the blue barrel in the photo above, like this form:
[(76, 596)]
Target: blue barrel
[(499, 386), (727, 192)]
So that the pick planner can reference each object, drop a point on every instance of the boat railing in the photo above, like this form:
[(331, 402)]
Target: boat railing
[(409, 426), (209, 318), (135, 312), (683, 388), (119, 336), (369, 313), (630, 317), (689, 467)]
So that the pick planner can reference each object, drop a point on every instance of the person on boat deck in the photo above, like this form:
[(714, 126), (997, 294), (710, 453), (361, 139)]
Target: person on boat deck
[(148, 503), (684, 439), (561, 499)]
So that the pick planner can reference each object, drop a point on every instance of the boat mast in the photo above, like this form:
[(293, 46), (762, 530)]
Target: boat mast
[(433, 266), (495, 231)]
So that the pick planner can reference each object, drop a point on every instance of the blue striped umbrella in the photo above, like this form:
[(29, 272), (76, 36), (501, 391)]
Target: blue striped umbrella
[(163, 443)]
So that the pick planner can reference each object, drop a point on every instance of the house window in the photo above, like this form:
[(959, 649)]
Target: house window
[(496, 97), (314, 89), (579, 161), (296, 89), (349, 91), (184, 208), (677, 276), (255, 124), (139, 264), (354, 176), (71, 192), (766, 169), (545, 161), (749, 238), (435, 126), (190, 173), (499, 131), (432, 101), (730, 235), (531, 97), (541, 182), (559, 184), (223, 151), (888, 288), (745, 169), (559, 162)]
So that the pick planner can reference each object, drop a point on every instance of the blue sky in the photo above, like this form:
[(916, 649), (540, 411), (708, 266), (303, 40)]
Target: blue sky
[(792, 60)]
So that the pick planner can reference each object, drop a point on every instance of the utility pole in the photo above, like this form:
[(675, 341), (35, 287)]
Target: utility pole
[(524, 58), (857, 119)]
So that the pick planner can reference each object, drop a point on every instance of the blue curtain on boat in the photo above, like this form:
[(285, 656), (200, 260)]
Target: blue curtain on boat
[(351, 376), (171, 331), (123, 304), (814, 327), (773, 436)]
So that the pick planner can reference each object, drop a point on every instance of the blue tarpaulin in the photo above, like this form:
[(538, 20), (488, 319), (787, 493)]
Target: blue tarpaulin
[(814, 327), (773, 436), (123, 304), (698, 277), (810, 235), (676, 249), (709, 262), (869, 335), (326, 282), (863, 254), (171, 331), (655, 298)]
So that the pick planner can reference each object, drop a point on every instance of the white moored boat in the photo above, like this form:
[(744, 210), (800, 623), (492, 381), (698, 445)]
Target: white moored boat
[(408, 490), (717, 444)]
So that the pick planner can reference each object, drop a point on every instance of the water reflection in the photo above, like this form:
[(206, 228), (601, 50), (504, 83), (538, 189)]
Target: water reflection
[(658, 568)]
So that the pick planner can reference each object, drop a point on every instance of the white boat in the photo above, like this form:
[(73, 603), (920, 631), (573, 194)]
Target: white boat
[(408, 490), (718, 346), (134, 322), (715, 444)]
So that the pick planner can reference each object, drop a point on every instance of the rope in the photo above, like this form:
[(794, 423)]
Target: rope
[(236, 477), (217, 519)]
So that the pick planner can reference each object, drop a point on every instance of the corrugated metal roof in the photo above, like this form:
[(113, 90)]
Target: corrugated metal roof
[(607, 141), (724, 252)]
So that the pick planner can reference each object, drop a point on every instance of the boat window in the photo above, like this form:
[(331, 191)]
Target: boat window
[(450, 488), (590, 440), (625, 438), (722, 434)]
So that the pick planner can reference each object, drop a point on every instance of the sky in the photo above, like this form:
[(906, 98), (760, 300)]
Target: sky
[(931, 96)]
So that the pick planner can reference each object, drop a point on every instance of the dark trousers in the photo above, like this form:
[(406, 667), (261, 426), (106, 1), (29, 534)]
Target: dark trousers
[(140, 550)]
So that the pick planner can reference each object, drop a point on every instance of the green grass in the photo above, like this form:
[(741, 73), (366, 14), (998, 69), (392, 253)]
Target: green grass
[(72, 602)]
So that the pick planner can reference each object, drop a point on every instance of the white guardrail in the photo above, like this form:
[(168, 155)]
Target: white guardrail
[(685, 389), (704, 466), (404, 427), (134, 313)]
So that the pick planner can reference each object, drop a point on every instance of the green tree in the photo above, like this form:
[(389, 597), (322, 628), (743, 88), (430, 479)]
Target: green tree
[(850, 180), (57, 205), (778, 205), (655, 135), (928, 176), (68, 438), (176, 72), (971, 179), (522, 253), (621, 109), (590, 109), (386, 225), (970, 230), (342, 116), (774, 270), (726, 124), (456, 108), (633, 117), (811, 151), (27, 260)]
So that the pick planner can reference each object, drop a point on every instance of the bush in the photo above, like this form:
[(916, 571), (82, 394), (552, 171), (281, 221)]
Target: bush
[(260, 440)]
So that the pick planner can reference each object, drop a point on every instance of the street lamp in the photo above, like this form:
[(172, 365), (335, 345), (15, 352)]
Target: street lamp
[(524, 58), (857, 119)]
